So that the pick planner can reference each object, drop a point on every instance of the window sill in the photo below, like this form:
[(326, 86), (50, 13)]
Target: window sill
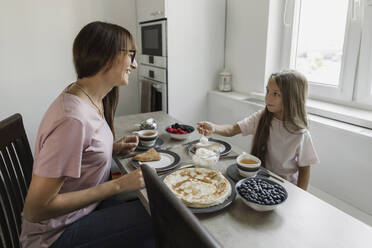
[(348, 115)]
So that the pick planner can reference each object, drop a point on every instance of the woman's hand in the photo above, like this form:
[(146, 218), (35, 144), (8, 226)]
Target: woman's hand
[(125, 145), (131, 181), (206, 128)]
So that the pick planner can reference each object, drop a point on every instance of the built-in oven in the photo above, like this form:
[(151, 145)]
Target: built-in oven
[(153, 66), (153, 89), (154, 43)]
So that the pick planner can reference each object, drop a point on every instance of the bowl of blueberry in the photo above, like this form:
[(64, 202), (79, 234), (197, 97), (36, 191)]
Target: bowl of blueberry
[(179, 131), (261, 194)]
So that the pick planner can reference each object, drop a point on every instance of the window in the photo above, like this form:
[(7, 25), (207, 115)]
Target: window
[(320, 40), (330, 42)]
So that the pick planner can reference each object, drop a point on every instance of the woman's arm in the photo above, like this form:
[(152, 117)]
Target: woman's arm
[(224, 130), (303, 177), (43, 200)]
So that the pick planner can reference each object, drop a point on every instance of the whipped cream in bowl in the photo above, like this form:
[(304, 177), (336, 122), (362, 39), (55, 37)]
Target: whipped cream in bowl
[(205, 158)]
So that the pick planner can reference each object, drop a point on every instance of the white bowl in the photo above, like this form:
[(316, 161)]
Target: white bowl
[(180, 136), (257, 206), (205, 158), (248, 170)]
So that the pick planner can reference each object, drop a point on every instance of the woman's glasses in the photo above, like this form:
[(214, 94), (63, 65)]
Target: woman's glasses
[(131, 53)]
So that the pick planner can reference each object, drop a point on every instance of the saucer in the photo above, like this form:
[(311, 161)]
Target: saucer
[(233, 173)]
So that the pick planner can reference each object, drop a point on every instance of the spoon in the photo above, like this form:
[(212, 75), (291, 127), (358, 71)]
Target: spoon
[(203, 141)]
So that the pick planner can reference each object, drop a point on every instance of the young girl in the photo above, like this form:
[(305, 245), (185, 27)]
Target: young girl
[(281, 139)]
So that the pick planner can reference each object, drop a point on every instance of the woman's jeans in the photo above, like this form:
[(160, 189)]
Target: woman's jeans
[(112, 224)]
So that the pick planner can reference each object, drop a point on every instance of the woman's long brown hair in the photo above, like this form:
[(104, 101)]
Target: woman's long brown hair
[(293, 88), (95, 48)]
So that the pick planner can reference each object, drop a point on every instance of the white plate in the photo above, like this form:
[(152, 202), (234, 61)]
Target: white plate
[(165, 160), (168, 160)]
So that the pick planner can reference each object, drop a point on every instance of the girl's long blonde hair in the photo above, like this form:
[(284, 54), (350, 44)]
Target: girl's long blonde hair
[(293, 88)]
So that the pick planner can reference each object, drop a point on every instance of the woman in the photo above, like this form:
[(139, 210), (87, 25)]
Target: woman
[(73, 153)]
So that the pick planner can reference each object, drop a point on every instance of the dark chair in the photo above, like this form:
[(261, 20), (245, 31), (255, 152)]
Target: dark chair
[(15, 175), (175, 226)]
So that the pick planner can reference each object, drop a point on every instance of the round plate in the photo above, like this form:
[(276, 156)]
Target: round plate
[(225, 147), (219, 207), (168, 160), (158, 143), (233, 173), (215, 208)]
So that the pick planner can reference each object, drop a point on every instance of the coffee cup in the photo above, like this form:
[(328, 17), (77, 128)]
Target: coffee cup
[(248, 165), (147, 137)]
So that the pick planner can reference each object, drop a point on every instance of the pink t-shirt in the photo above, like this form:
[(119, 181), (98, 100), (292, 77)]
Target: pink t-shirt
[(75, 143), (286, 151)]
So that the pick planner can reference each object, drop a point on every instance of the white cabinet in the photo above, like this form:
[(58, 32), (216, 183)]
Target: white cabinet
[(148, 10)]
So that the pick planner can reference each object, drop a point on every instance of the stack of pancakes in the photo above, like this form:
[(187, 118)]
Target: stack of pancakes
[(199, 187)]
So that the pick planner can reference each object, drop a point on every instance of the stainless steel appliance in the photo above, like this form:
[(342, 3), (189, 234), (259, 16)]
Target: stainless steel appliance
[(154, 43), (153, 66)]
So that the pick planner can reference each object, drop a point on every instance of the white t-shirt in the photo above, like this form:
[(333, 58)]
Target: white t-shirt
[(286, 151)]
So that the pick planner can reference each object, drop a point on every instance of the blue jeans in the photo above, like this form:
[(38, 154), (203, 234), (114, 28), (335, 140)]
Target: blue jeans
[(112, 224)]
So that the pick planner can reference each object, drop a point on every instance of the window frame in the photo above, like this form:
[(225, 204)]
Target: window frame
[(363, 92), (355, 74)]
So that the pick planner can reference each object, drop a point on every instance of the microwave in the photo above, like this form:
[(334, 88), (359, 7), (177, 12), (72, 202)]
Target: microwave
[(154, 43)]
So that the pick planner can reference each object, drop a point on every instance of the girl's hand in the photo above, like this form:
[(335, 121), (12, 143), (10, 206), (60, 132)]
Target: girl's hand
[(206, 128), (125, 145)]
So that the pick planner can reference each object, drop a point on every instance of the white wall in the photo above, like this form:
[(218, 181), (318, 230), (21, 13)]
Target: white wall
[(195, 55), (344, 150), (246, 42), (36, 52)]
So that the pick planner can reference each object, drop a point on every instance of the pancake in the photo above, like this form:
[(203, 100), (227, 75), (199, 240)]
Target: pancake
[(150, 155), (199, 187)]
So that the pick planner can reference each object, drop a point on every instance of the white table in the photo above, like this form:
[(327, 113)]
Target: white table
[(302, 221)]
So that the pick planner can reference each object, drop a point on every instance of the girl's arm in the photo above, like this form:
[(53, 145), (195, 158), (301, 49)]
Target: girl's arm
[(44, 201), (208, 128), (303, 177)]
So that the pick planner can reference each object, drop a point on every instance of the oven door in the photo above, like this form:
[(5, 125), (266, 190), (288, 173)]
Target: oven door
[(158, 97), (153, 96), (153, 38)]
